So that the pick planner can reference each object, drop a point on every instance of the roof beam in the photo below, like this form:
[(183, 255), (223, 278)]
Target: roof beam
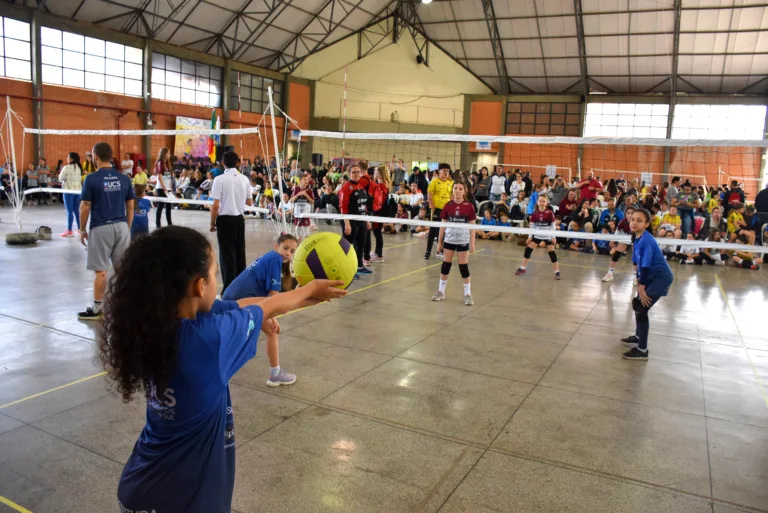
[(541, 45), (406, 12), (256, 33), (176, 10), (582, 48), (184, 21), (673, 75), (498, 51)]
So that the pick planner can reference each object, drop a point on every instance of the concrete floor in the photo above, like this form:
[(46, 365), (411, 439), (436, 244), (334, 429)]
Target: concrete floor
[(520, 403)]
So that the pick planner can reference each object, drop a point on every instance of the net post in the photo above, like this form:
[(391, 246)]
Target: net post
[(277, 151), (14, 173)]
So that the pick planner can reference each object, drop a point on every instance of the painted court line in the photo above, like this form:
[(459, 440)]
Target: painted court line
[(13, 505), (52, 390), (743, 342)]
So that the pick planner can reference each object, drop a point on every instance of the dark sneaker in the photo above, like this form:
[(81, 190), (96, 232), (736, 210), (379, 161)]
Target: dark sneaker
[(426, 256), (557, 275), (364, 270), (89, 315), (357, 276), (520, 271), (635, 354), (630, 340)]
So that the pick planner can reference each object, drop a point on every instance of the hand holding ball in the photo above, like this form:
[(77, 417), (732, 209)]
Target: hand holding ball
[(325, 256)]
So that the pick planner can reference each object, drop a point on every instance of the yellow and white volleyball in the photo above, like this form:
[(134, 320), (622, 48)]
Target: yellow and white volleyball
[(325, 256)]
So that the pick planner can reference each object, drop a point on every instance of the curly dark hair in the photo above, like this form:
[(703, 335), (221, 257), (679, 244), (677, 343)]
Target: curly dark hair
[(139, 335)]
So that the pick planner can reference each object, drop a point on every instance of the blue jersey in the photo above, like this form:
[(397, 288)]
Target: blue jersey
[(488, 222), (107, 190), (140, 217), (184, 459), (258, 280), (652, 268)]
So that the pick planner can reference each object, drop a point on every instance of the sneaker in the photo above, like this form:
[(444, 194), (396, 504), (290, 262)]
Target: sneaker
[(426, 256), (364, 270), (376, 258), (366, 262), (635, 354), (283, 378), (439, 296), (89, 315), (630, 340), (468, 300), (68, 233), (357, 276), (439, 254), (557, 275), (720, 262), (608, 277), (520, 271)]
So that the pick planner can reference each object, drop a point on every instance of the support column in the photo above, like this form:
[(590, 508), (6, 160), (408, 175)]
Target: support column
[(146, 93), (226, 82), (763, 161), (37, 87)]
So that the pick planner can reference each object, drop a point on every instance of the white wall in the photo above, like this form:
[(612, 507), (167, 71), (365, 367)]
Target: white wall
[(388, 81)]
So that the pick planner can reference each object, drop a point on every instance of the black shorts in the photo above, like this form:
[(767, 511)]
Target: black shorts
[(537, 241), (455, 247)]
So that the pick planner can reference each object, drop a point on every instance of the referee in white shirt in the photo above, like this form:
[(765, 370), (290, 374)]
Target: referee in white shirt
[(231, 192)]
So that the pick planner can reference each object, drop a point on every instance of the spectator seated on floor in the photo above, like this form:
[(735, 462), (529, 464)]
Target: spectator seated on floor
[(504, 221), (421, 231), (488, 220)]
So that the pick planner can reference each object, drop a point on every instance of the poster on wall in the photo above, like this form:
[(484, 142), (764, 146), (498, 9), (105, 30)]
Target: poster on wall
[(191, 145)]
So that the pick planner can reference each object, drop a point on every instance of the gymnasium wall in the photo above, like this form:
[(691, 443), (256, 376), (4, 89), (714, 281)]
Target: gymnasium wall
[(388, 82), (66, 108)]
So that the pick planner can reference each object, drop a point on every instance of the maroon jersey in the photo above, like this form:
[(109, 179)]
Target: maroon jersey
[(462, 212), (542, 220), (302, 198)]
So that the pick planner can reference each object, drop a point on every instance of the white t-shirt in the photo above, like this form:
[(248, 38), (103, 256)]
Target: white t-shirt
[(127, 166), (497, 184), (416, 199), (232, 189)]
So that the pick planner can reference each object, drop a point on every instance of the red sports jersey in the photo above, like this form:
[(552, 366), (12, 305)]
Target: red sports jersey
[(302, 198), (542, 220), (462, 212)]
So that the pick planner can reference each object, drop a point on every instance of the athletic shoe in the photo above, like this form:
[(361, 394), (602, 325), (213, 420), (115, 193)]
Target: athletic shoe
[(520, 271), (608, 277), (366, 262), (283, 378), (439, 254), (720, 262), (468, 300), (557, 275), (630, 340), (376, 258), (364, 270), (357, 276), (439, 296), (89, 315), (635, 354), (426, 256), (68, 233)]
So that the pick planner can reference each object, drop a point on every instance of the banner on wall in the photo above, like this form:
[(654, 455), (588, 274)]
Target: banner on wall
[(191, 145)]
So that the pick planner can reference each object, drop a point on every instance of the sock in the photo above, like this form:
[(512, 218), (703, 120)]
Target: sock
[(274, 371), (466, 288), (522, 267), (96, 306), (443, 284), (557, 271), (610, 270), (643, 350)]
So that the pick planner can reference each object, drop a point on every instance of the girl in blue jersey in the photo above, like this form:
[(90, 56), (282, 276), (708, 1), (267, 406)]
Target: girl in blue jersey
[(264, 278), (182, 353), (653, 280)]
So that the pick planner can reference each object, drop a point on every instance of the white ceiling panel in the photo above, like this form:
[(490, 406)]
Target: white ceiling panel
[(494, 82), (512, 8), (659, 21), (550, 7), (743, 42), (516, 67), (537, 84), (703, 43), (436, 11), (104, 11), (518, 28), (700, 65), (646, 45), (473, 29), (607, 66), (291, 19), (558, 26), (597, 24), (716, 19), (749, 18), (746, 65), (602, 5), (453, 48), (735, 84), (563, 84), (606, 45), (467, 10), (448, 31), (643, 84), (478, 49), (562, 67), (483, 67), (617, 84), (650, 65), (521, 48), (565, 47)]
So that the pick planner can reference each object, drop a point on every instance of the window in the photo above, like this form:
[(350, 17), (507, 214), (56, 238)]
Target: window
[(626, 120), (177, 80), (252, 95), (543, 118), (744, 122), (15, 51), (77, 61)]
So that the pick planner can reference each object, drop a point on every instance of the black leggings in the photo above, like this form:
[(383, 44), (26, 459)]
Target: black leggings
[(379, 241), (642, 324), (433, 231), (357, 238), (160, 193)]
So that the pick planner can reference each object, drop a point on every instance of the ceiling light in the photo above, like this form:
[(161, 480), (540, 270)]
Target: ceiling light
[(426, 1)]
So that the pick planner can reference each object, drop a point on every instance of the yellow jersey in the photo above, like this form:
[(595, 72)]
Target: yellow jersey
[(440, 192), (140, 179), (734, 222)]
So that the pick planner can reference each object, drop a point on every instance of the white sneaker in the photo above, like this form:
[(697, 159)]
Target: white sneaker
[(439, 296), (468, 300), (439, 254), (720, 262), (608, 277)]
